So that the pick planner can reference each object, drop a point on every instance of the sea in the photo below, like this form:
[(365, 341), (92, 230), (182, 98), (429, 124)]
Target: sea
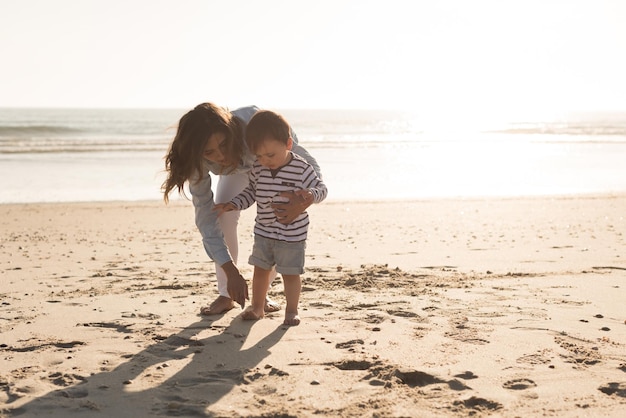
[(78, 155)]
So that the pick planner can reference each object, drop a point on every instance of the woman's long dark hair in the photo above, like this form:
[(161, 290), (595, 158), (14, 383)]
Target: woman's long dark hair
[(185, 156)]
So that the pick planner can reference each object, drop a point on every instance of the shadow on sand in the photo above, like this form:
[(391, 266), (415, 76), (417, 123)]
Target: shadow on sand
[(151, 384)]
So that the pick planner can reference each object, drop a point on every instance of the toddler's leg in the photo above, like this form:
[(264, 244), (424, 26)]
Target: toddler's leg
[(260, 282), (293, 286)]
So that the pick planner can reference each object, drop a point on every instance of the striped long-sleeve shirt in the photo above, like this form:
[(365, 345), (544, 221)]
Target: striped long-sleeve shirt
[(264, 188)]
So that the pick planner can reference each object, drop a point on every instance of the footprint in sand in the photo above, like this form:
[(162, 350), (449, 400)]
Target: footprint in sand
[(519, 384), (467, 375), (414, 378), (6, 392), (478, 404), (403, 314), (354, 364), (614, 388), (350, 344)]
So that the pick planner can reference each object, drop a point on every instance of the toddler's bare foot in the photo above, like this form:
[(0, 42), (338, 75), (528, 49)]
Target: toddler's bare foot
[(271, 306), (251, 315), (220, 305), (291, 318)]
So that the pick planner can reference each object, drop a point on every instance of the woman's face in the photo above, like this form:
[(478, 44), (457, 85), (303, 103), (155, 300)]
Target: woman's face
[(214, 150)]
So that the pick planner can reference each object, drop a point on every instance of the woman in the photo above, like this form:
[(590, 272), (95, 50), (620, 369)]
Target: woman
[(211, 139)]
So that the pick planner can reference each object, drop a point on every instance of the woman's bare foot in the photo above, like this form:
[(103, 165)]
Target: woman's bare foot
[(220, 305), (271, 306), (251, 315), (291, 318)]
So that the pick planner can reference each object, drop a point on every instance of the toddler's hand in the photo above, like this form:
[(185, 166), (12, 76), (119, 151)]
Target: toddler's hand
[(224, 207)]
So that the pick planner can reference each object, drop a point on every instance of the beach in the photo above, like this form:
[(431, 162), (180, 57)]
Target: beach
[(496, 306)]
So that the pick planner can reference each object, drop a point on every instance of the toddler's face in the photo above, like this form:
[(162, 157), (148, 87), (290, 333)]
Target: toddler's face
[(272, 153)]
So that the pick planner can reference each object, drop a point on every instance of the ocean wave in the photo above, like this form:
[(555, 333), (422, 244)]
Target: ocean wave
[(567, 129), (15, 146), (36, 130), (51, 150)]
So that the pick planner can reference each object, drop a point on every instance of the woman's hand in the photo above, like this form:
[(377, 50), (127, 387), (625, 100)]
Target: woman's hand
[(299, 201), (237, 286)]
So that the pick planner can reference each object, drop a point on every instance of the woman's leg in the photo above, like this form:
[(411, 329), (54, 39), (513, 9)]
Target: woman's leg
[(228, 187)]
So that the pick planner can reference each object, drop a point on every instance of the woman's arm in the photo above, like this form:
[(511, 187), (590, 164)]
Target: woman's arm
[(286, 213), (213, 238), (206, 220), (237, 287), (302, 152)]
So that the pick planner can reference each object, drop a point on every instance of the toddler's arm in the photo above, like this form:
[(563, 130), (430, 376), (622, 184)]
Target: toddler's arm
[(220, 208)]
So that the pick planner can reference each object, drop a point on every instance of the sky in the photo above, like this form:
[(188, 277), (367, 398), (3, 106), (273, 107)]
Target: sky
[(445, 57)]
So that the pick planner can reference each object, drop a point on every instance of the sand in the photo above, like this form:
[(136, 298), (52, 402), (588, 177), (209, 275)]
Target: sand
[(472, 307)]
